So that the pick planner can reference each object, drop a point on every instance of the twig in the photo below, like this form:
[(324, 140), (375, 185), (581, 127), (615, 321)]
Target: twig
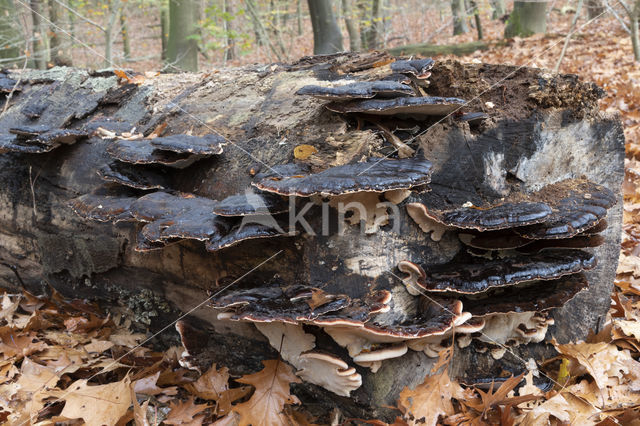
[(404, 150), (80, 16), (15, 272), (32, 183), (569, 34), (615, 15)]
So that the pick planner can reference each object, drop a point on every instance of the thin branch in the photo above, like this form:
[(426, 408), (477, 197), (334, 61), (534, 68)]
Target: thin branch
[(626, 7), (569, 35), (100, 27), (618, 17)]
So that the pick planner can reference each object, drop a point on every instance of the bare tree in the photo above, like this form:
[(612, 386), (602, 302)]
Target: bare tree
[(498, 8), (39, 33), (227, 22), (459, 17), (326, 32), (353, 25), (633, 13), (595, 8), (527, 18)]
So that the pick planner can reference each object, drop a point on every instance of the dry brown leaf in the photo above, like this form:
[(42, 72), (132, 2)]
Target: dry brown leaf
[(601, 360), (82, 324), (96, 405), (266, 405), (302, 152), (430, 400), (34, 377), (98, 346), (15, 343), (140, 412), (186, 413), (211, 384), (148, 386)]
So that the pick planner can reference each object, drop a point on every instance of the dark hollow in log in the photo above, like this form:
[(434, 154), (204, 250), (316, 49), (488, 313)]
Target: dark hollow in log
[(341, 280)]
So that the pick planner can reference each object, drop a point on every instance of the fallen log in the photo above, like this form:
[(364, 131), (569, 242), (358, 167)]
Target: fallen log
[(473, 217), (429, 49)]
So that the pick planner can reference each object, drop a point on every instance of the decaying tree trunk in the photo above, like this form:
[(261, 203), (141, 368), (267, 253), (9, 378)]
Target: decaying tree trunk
[(526, 130)]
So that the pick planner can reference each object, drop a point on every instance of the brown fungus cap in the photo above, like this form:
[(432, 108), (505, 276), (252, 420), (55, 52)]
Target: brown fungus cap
[(268, 228), (357, 90), (251, 203), (577, 205), (38, 143), (199, 145), (374, 175), (272, 303), (417, 106), (103, 208), (502, 216), (417, 67), (535, 297), (579, 241), (8, 84), (137, 177), (476, 276)]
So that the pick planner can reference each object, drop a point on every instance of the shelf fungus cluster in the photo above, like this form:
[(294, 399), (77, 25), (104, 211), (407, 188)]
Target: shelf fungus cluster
[(522, 257)]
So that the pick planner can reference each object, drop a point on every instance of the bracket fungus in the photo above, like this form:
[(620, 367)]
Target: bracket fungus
[(374, 175), (177, 151), (38, 139), (418, 67), (460, 276), (133, 176), (416, 106), (103, 208), (357, 90), (250, 203)]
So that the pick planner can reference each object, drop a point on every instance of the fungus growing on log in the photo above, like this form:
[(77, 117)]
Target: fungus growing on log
[(250, 203), (357, 90), (416, 67), (334, 283), (38, 139), (413, 106), (7, 84), (103, 208), (137, 177), (374, 175), (577, 205), (459, 276), (177, 151)]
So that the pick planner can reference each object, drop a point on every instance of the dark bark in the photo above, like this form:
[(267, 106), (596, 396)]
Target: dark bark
[(595, 8), (327, 37), (536, 121), (124, 33), (58, 41), (476, 15)]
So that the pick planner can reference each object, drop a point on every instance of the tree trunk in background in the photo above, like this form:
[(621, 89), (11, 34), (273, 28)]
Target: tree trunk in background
[(299, 16), (476, 14), (262, 37), (352, 24), (182, 51), (229, 34), (459, 17), (164, 30), (635, 38), (527, 18), (38, 34), (373, 31), (124, 32), (10, 36), (327, 37), (114, 12), (498, 8), (594, 8)]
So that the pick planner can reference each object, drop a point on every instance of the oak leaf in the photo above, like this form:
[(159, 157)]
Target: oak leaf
[(430, 400), (96, 405), (186, 413), (266, 405)]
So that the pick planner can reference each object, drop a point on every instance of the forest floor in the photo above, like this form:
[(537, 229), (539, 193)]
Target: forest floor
[(51, 348)]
